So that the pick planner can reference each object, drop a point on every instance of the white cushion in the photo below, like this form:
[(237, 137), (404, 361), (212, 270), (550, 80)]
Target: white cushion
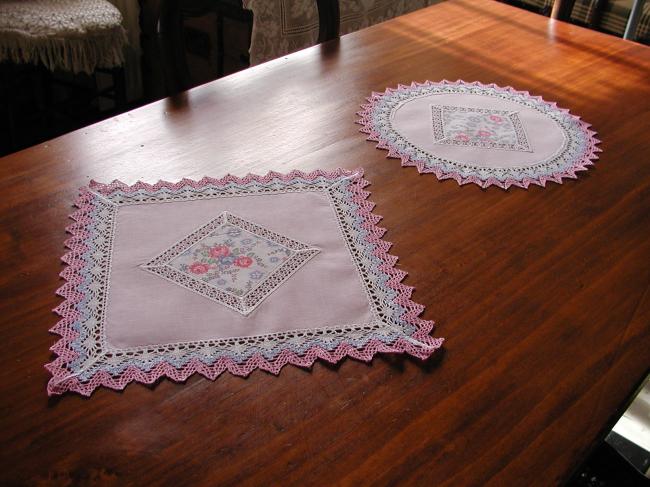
[(73, 35)]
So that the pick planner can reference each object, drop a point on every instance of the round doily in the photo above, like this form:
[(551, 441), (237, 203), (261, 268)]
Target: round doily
[(476, 133)]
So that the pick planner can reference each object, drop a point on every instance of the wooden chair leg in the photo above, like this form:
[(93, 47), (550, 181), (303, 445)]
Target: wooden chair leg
[(633, 20), (562, 9), (177, 73), (329, 19), (221, 52), (119, 88), (7, 100)]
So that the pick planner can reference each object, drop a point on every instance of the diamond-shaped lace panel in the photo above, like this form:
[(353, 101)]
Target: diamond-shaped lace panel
[(232, 261), (478, 127)]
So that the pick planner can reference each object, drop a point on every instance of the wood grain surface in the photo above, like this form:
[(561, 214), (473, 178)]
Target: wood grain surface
[(542, 294)]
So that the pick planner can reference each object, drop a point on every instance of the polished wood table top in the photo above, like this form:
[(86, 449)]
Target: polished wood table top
[(542, 294)]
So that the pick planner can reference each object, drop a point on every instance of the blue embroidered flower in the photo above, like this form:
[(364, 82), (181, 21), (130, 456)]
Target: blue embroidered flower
[(228, 260), (274, 259), (221, 282), (234, 232), (247, 241), (256, 275)]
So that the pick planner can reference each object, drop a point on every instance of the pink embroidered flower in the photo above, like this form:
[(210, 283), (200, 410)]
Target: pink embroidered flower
[(219, 251), (496, 118), (243, 261), (462, 137), (484, 133), (199, 268)]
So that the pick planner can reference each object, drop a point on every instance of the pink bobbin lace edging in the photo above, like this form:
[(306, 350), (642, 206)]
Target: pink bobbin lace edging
[(581, 164), (420, 344)]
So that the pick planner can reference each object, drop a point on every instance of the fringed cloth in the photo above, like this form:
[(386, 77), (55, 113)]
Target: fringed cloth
[(70, 35)]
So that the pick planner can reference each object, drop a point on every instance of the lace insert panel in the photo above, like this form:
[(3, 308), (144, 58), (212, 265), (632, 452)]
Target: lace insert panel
[(479, 127), (232, 261)]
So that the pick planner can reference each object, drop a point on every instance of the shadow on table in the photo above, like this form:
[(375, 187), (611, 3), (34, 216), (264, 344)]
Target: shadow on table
[(396, 361)]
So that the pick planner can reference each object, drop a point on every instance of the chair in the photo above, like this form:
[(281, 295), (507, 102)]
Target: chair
[(281, 26), (629, 19), (69, 36), (172, 16)]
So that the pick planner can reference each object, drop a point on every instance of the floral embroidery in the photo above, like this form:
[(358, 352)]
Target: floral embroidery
[(238, 261), (199, 268), (243, 261), (478, 127), (232, 261), (219, 251)]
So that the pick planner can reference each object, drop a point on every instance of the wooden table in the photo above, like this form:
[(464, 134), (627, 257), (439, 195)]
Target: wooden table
[(542, 294)]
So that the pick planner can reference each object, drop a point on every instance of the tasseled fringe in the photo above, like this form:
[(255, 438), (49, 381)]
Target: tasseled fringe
[(75, 54)]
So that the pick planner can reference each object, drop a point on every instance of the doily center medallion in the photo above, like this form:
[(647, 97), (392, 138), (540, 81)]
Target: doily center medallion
[(478, 127), (232, 261)]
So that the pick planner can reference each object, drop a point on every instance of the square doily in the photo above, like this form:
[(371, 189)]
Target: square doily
[(234, 274)]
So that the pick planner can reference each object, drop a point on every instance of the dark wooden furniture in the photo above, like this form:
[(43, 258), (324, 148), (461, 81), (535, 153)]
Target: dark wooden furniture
[(542, 294), (172, 14), (329, 19), (562, 9), (37, 104)]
